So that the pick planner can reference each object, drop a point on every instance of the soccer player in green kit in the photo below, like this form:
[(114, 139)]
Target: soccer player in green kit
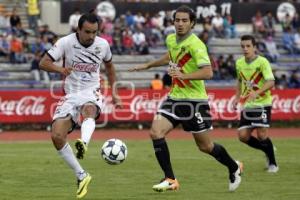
[(255, 79), (187, 102)]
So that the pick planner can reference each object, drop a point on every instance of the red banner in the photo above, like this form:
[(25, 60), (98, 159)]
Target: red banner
[(36, 106)]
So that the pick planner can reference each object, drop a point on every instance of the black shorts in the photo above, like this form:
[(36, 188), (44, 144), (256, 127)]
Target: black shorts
[(194, 116), (255, 117)]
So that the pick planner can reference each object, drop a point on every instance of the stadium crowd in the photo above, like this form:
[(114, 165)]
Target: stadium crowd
[(136, 34)]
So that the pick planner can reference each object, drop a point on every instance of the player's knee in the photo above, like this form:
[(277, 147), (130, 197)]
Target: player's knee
[(156, 133), (58, 136), (206, 148), (243, 138)]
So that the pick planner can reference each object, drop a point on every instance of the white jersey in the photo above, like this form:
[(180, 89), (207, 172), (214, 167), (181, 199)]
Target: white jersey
[(85, 61)]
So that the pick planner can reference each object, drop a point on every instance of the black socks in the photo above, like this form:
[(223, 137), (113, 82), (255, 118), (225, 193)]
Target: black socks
[(221, 155), (163, 157), (265, 145)]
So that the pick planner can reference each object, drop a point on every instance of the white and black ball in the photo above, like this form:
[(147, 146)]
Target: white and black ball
[(114, 151)]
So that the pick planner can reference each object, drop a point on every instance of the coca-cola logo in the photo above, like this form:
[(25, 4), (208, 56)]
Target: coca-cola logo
[(287, 105), (86, 67), (141, 105), (27, 105)]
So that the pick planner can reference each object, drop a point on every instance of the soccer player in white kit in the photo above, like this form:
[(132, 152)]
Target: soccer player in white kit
[(82, 54)]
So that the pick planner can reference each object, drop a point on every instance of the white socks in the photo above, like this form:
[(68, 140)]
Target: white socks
[(87, 129), (67, 154)]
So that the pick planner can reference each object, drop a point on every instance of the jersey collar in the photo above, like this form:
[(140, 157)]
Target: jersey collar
[(180, 39), (85, 46)]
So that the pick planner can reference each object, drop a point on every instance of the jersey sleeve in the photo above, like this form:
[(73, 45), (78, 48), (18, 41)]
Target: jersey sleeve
[(266, 70), (57, 50), (108, 56), (200, 55)]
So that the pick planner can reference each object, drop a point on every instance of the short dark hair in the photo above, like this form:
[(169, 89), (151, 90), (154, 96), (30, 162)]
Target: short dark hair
[(186, 9), (249, 37), (88, 17)]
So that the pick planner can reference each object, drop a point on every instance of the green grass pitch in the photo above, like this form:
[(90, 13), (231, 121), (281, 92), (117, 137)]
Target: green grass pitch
[(34, 171)]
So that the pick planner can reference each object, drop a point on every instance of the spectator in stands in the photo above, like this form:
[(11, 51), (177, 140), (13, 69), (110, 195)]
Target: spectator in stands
[(288, 41), (108, 25), (127, 41), (4, 45), (218, 26), (282, 82), (120, 22), (215, 67), (157, 26), (294, 81), (19, 32), (296, 41), (4, 22), (45, 42), (35, 70), (167, 80), (14, 18), (269, 23), (296, 21), (156, 83), (117, 40), (287, 22), (45, 31), (258, 24), (73, 19), (169, 29), (223, 69), (139, 40), (105, 35), (207, 27), (271, 49), (16, 50), (229, 26), (230, 62), (139, 19), (129, 20), (33, 12), (37, 46), (204, 37)]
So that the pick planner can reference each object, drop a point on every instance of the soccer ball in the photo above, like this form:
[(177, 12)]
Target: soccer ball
[(114, 151)]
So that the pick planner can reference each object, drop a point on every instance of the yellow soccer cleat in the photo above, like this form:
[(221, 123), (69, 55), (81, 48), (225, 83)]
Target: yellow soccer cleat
[(83, 185)]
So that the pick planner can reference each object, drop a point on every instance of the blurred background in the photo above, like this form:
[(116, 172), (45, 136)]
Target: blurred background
[(136, 31)]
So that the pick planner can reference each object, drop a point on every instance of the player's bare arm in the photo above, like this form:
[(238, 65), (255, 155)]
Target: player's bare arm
[(237, 94), (204, 73), (164, 60), (47, 64), (254, 94), (111, 75)]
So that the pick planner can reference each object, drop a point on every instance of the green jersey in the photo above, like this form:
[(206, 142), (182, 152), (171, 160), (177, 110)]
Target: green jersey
[(189, 55), (252, 76)]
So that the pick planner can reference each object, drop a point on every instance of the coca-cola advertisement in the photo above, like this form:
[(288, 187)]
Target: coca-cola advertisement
[(38, 106)]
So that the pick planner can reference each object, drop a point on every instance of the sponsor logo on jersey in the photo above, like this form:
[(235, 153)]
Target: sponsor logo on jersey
[(85, 67)]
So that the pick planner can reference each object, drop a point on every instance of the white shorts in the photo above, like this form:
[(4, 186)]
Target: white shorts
[(71, 104)]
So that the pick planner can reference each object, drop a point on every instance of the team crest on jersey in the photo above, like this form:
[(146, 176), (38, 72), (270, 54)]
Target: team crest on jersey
[(97, 50), (85, 67)]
